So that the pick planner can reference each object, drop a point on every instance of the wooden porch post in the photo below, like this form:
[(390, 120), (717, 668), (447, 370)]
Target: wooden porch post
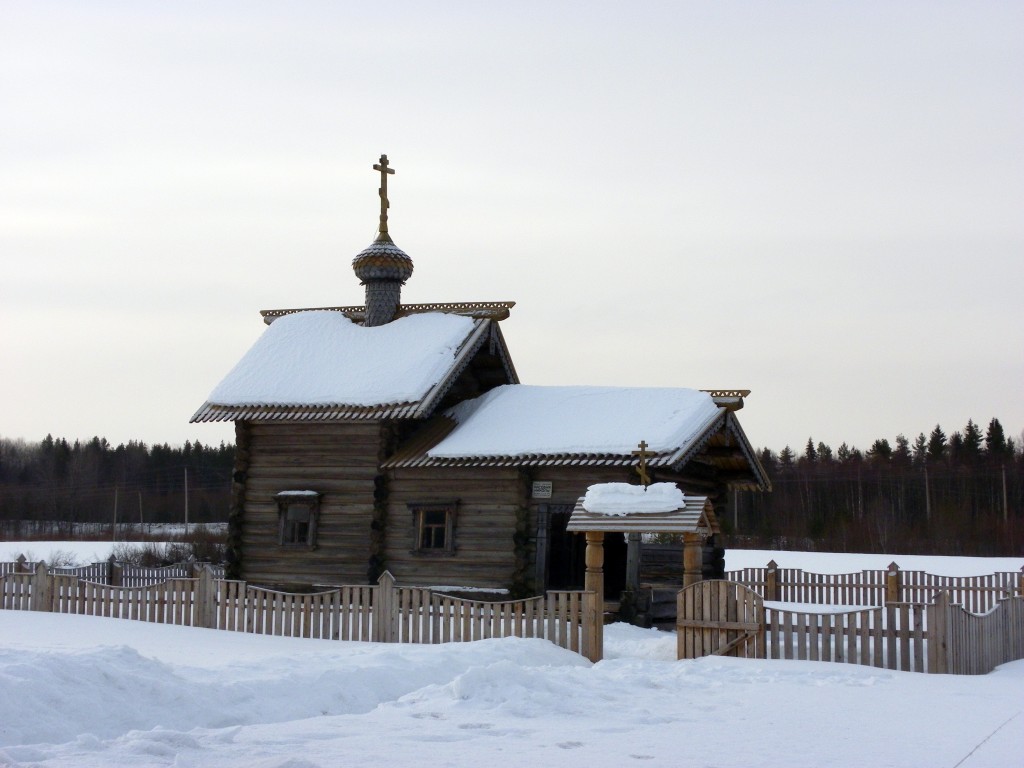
[(541, 563), (693, 559), (593, 581), (633, 562)]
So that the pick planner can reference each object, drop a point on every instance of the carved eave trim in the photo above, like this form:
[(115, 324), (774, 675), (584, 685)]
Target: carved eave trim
[(479, 310), (730, 399), (268, 412)]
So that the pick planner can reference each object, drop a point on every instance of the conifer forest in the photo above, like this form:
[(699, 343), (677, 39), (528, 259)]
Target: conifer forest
[(96, 482), (961, 493), (957, 494)]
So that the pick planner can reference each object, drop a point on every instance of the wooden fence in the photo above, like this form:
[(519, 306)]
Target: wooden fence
[(729, 618), (384, 612), (974, 645), (890, 637), (719, 618), (977, 594)]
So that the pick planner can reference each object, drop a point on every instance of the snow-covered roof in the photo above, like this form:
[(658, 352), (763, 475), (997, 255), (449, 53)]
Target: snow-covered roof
[(520, 421), (319, 361), (659, 508)]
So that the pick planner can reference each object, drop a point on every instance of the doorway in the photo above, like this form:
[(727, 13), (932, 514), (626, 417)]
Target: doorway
[(567, 555)]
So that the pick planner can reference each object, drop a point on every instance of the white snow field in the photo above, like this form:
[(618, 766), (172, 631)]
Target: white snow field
[(852, 562), (83, 691), (83, 552)]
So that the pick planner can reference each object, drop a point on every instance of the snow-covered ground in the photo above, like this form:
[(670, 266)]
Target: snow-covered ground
[(851, 562), (84, 552), (82, 691), (80, 552)]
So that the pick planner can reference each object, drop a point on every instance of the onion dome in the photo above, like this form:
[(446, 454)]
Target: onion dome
[(382, 260)]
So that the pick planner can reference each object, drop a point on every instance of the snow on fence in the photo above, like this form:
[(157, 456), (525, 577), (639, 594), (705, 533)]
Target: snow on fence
[(115, 574), (382, 613), (729, 618), (977, 594), (890, 637)]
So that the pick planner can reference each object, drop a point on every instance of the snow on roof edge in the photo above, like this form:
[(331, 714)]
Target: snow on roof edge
[(321, 358)]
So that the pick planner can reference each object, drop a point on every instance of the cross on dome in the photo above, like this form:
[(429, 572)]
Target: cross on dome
[(382, 166)]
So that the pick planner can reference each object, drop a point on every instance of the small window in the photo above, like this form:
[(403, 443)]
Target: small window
[(434, 527), (297, 518)]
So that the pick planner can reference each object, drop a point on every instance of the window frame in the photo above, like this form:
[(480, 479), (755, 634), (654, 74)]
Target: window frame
[(288, 500), (419, 512)]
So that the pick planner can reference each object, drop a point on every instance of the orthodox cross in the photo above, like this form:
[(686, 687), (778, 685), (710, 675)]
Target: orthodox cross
[(382, 166), (641, 469)]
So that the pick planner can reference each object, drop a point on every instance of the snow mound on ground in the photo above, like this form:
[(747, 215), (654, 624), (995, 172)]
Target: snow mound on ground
[(156, 695), (51, 696)]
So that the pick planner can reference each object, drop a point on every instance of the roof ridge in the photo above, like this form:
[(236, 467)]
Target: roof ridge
[(490, 310)]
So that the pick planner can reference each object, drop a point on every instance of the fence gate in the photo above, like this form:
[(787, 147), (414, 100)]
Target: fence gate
[(719, 618)]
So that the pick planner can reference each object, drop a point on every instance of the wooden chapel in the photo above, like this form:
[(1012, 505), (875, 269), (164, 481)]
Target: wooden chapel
[(398, 436)]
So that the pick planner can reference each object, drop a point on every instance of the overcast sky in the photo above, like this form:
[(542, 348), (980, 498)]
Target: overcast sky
[(820, 202)]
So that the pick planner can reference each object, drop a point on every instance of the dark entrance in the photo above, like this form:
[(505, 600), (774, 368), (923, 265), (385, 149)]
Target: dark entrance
[(566, 551), (567, 556)]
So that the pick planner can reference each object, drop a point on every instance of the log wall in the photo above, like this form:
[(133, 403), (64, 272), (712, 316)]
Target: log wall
[(495, 534), (569, 483), (338, 460), (484, 549)]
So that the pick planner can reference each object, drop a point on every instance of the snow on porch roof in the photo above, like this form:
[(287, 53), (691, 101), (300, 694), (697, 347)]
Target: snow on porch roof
[(523, 421), (659, 508), (318, 359)]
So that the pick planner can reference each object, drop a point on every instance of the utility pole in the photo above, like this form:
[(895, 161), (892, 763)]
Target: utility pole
[(113, 526), (141, 523), (860, 495), (186, 501), (927, 496), (1006, 505)]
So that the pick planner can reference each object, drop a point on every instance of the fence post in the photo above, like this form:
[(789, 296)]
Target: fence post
[(771, 581), (1020, 589), (204, 610), (19, 564), (42, 588), (937, 617), (893, 584), (593, 627), (115, 573), (384, 613)]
